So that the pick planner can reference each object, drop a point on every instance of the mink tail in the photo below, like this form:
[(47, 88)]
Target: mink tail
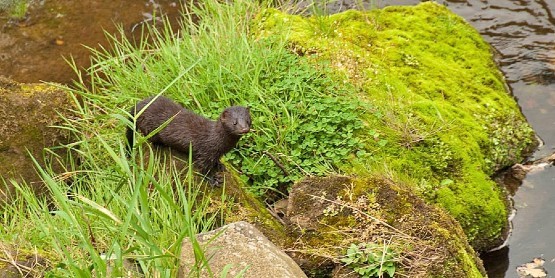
[(130, 141), (129, 134)]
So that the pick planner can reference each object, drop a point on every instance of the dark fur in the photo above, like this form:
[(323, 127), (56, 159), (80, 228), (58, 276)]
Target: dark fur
[(210, 140)]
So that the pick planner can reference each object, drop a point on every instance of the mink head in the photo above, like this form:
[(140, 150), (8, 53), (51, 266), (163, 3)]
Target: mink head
[(236, 120)]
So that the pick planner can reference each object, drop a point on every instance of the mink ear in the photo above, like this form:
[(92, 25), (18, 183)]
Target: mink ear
[(224, 114)]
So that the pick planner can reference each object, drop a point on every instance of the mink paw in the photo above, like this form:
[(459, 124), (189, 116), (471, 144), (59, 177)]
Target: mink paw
[(216, 180)]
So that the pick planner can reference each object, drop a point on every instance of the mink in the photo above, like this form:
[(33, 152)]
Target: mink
[(209, 139)]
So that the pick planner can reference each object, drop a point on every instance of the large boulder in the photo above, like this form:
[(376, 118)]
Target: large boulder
[(29, 114)]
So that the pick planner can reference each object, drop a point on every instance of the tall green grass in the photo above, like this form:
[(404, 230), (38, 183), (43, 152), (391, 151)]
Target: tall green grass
[(138, 211), (303, 123)]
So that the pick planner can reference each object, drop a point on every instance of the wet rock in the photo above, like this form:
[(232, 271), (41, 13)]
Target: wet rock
[(28, 114), (236, 248), (533, 269)]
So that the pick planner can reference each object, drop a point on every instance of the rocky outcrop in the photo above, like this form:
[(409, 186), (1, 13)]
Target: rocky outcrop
[(28, 116), (328, 215), (239, 248)]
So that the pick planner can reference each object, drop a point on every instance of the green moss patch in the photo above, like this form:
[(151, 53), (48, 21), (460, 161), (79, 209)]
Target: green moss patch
[(438, 112)]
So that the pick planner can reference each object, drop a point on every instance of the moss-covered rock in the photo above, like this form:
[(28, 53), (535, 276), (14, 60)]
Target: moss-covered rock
[(329, 214), (28, 116), (438, 111)]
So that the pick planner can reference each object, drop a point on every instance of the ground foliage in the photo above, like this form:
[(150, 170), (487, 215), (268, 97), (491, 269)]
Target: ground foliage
[(410, 92)]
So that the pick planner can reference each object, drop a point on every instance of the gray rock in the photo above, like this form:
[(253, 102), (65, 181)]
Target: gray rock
[(239, 247)]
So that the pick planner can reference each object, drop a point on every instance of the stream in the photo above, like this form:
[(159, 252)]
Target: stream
[(521, 31)]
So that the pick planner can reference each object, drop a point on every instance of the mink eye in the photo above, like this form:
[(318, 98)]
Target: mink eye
[(235, 122)]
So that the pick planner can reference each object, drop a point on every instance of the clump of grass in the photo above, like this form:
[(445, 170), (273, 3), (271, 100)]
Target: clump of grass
[(304, 123), (137, 211)]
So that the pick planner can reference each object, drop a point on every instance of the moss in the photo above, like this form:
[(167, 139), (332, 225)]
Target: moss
[(246, 207), (328, 214), (441, 115)]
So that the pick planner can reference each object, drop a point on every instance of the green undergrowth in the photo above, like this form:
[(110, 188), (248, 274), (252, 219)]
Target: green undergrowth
[(302, 120), (303, 123), (439, 114), (110, 222), (15, 9)]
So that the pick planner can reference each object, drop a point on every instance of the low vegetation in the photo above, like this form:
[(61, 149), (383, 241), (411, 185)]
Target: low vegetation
[(15, 9), (356, 93), (370, 260)]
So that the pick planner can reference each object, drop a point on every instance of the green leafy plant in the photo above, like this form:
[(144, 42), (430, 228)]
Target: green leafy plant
[(312, 131), (370, 260)]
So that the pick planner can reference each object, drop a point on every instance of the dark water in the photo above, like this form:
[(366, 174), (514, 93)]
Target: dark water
[(522, 32)]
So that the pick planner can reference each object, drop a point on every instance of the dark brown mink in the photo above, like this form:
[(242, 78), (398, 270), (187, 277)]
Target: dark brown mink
[(210, 139)]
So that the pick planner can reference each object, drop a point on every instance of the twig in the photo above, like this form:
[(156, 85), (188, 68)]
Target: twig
[(363, 213), (14, 263), (276, 161)]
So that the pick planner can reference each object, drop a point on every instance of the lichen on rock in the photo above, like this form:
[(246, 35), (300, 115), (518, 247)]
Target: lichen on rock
[(440, 115)]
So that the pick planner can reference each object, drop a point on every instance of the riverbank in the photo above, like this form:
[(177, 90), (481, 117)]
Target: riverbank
[(356, 93)]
